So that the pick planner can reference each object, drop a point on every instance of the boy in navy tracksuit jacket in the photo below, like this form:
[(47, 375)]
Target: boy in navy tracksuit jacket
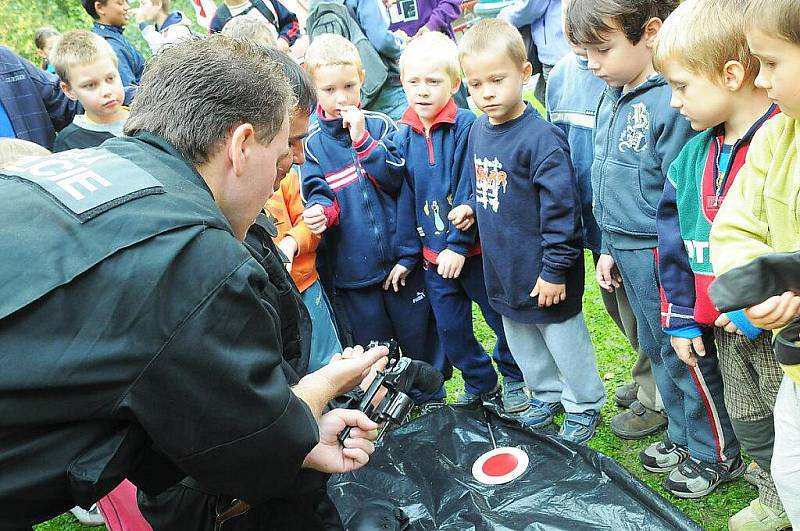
[(529, 216), (433, 139), (351, 179)]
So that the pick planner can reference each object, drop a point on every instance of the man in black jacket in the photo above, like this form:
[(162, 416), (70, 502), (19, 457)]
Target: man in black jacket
[(139, 337)]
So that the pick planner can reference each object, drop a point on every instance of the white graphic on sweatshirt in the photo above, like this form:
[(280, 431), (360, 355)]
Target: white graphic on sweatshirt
[(489, 180), (634, 137)]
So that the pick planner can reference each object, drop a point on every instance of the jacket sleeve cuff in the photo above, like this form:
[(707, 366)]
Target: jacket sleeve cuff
[(460, 248), (307, 241), (674, 316), (409, 262), (331, 213), (552, 276), (685, 331), (739, 318)]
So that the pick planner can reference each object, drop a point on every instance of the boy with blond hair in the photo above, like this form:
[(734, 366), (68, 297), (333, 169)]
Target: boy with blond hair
[(761, 212), (707, 63), (87, 67), (433, 139), (350, 180), (529, 217)]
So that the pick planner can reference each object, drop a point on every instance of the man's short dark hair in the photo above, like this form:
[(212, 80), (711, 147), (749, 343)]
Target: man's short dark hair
[(88, 5), (305, 92), (590, 21), (195, 91)]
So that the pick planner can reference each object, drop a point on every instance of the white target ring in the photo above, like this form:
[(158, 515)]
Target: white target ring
[(500, 465)]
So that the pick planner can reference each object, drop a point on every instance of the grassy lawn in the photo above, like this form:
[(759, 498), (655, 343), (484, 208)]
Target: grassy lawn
[(614, 358)]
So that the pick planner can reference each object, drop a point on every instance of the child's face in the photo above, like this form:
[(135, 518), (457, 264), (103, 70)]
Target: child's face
[(780, 69), (113, 13), (617, 61), (495, 84), (298, 130), (99, 89), (701, 101), (147, 11), (338, 86), (49, 42), (428, 87)]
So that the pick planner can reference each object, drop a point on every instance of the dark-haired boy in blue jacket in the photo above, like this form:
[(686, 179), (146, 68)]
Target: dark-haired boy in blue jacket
[(433, 139)]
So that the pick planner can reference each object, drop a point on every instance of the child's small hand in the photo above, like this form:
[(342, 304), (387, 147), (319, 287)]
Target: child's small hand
[(686, 349), (353, 119), (397, 277), (607, 274), (450, 263), (288, 246), (723, 321), (462, 217), (549, 294), (314, 217), (775, 312)]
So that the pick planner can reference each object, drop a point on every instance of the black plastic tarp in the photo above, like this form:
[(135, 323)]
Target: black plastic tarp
[(425, 468)]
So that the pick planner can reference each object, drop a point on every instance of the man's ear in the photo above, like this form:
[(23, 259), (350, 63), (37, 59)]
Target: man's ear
[(239, 145), (651, 30), (733, 75), (67, 90)]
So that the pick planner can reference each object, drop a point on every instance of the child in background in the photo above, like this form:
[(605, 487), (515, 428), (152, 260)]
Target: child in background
[(255, 29), (433, 140), (110, 18), (350, 181), (87, 67), (637, 136), (45, 38), (707, 63), (529, 218), (159, 26), (573, 93), (760, 214), (273, 12)]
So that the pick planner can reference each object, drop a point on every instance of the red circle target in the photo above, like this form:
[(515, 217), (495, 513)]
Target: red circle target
[(500, 465)]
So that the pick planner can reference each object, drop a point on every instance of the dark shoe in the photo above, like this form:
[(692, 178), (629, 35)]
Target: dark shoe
[(637, 422), (695, 479), (579, 427), (625, 394), (663, 456), (540, 414), (466, 398), (430, 405), (515, 400)]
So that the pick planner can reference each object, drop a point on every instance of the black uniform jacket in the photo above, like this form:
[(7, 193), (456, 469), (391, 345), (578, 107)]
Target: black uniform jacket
[(138, 337)]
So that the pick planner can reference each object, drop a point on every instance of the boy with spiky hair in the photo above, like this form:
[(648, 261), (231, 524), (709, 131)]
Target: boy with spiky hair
[(707, 63), (637, 136), (760, 214)]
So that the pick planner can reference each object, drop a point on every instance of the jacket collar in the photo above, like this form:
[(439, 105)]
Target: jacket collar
[(108, 28), (719, 132), (447, 115), (655, 80), (332, 126), (160, 143)]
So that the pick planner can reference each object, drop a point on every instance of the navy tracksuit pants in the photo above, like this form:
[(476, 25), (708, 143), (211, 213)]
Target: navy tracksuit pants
[(451, 300)]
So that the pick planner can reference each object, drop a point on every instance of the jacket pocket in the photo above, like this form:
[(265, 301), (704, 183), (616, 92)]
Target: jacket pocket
[(625, 207)]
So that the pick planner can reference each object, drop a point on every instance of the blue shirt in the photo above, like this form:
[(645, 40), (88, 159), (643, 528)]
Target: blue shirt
[(6, 129)]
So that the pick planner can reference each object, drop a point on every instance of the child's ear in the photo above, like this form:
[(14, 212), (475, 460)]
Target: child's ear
[(362, 75), (527, 71), (733, 75), (651, 30), (456, 86), (65, 88)]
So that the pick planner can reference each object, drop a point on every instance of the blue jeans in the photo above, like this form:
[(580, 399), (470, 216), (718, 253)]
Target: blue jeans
[(324, 341), (693, 396)]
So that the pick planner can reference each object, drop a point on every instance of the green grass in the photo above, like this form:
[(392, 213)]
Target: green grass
[(614, 358)]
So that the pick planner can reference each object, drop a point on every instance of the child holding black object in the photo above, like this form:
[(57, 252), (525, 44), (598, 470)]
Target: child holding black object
[(529, 217), (433, 139), (350, 181), (707, 63)]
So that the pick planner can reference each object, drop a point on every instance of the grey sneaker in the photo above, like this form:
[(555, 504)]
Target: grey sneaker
[(91, 518), (540, 414), (515, 399), (579, 427), (695, 479), (663, 456), (625, 394)]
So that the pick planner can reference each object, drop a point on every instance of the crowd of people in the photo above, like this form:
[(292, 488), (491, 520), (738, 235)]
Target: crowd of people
[(228, 220)]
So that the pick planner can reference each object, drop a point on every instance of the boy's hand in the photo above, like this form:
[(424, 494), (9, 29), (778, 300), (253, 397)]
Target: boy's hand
[(462, 217), (549, 294), (450, 263), (314, 217), (607, 274), (723, 321), (288, 246), (397, 277), (686, 349), (353, 119), (775, 312)]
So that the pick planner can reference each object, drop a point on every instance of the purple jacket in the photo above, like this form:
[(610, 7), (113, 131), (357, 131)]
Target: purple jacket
[(437, 15)]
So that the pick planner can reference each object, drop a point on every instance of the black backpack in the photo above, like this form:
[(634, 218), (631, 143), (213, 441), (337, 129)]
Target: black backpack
[(334, 16)]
